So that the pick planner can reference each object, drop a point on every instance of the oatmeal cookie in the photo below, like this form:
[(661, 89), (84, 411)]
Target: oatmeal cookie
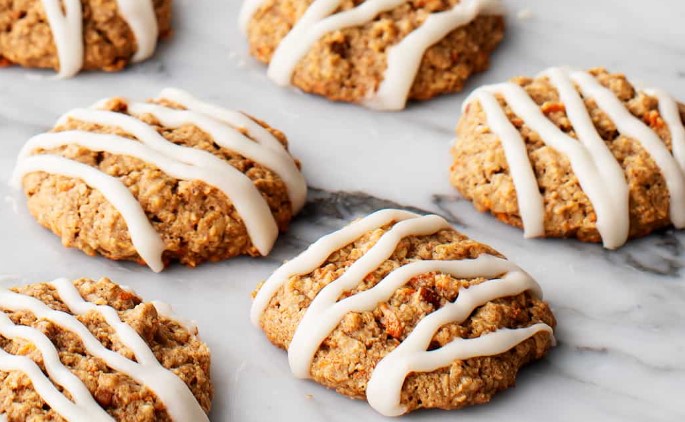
[(94, 351), (79, 35), (407, 313), (574, 154), (171, 179), (378, 53)]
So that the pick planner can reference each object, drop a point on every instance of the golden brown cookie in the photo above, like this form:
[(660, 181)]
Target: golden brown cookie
[(378, 53), (94, 351), (84, 35), (405, 312), (574, 154), (172, 179)]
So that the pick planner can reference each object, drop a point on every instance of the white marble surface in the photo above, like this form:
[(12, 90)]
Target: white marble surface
[(621, 314)]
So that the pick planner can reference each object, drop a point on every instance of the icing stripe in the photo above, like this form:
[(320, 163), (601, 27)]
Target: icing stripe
[(189, 155), (280, 162), (403, 59), (232, 118), (599, 172), (227, 129), (668, 108), (174, 393), (530, 202), (146, 240), (327, 310), (247, 11), (610, 171), (317, 253), (245, 197), (166, 310), (397, 367), (141, 18), (44, 387), (411, 356), (614, 231), (315, 24), (84, 408), (149, 136), (634, 128), (302, 354), (67, 30), (281, 72)]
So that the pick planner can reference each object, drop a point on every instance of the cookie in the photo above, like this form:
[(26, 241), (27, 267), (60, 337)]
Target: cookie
[(406, 312), (74, 35), (172, 179), (380, 53), (574, 154), (94, 351)]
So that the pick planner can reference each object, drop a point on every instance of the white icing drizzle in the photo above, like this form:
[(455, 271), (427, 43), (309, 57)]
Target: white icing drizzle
[(280, 162), (141, 18), (532, 208), (84, 406), (403, 59), (67, 30), (614, 224), (668, 108), (317, 253), (302, 349), (146, 240), (385, 386), (327, 310), (205, 166), (630, 126), (146, 370), (234, 184), (184, 163), (614, 231), (316, 23), (167, 311), (599, 173), (247, 11), (232, 118), (45, 388)]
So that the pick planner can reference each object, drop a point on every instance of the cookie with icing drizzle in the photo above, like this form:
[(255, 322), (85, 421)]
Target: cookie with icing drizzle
[(380, 53), (94, 351), (171, 179), (74, 35), (405, 312), (568, 153)]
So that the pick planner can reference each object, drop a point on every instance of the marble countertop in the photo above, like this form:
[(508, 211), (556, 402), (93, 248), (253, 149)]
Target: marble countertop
[(621, 314)]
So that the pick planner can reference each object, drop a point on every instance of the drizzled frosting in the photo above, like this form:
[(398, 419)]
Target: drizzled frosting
[(67, 30), (599, 173), (180, 162), (327, 310), (179, 401), (403, 59)]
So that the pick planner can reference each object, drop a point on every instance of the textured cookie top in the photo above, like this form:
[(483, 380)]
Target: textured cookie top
[(393, 306), (171, 179), (94, 351), (376, 52), (574, 154), (70, 35)]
